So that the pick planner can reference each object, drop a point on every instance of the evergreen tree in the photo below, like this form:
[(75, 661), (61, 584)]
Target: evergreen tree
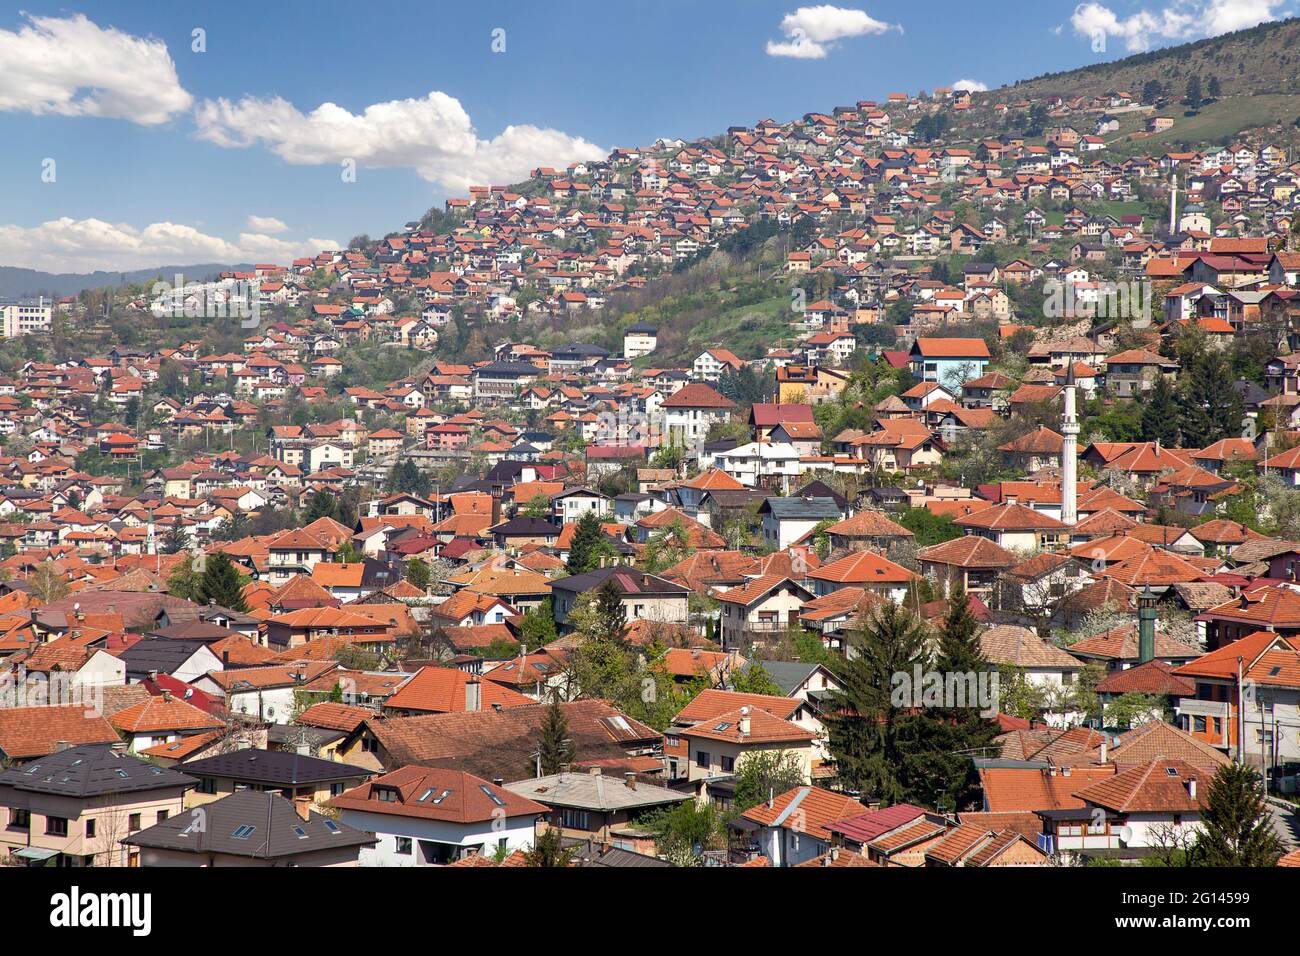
[(549, 849), (864, 727), (174, 540), (1160, 414), (611, 615), (222, 584), (418, 573), (538, 626), (588, 545), (1237, 826), (1210, 408), (754, 679), (321, 504), (555, 749), (1193, 98), (942, 742)]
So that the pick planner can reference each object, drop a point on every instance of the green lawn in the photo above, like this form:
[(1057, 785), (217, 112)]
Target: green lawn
[(1221, 119)]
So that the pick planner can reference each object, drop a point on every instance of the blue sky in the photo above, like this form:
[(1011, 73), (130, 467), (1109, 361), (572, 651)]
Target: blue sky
[(163, 154)]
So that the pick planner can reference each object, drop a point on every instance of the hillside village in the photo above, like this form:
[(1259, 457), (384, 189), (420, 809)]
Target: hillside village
[(476, 550)]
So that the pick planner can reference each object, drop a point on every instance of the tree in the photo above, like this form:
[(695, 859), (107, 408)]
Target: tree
[(174, 540), (538, 626), (766, 773), (418, 574), (588, 546), (185, 580), (1213, 88), (47, 584), (943, 741), (1193, 97), (686, 828), (1160, 414), (864, 727), (549, 850), (1237, 826), (222, 584), (406, 476), (928, 527), (556, 748), (1210, 408), (754, 679)]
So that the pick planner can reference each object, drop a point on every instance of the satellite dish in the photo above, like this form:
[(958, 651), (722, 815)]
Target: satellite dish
[(1126, 834)]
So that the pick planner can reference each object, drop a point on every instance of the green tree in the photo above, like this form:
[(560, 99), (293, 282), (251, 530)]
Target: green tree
[(1160, 414), (556, 747), (684, 828), (865, 729), (1237, 826), (222, 583), (589, 545), (754, 679), (538, 626), (548, 849), (185, 581), (928, 527), (766, 773), (418, 574)]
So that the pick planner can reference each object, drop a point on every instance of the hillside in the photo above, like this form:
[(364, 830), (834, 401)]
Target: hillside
[(1262, 59), (31, 282)]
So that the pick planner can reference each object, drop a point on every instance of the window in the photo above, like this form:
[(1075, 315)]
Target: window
[(574, 819), (19, 819), (207, 785), (90, 829), (702, 759), (133, 822), (728, 764), (1198, 724), (162, 815), (56, 826), (403, 845)]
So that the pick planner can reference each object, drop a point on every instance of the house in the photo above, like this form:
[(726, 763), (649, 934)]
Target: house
[(786, 521), (762, 609), (250, 828), (1134, 371), (690, 412), (425, 816), (74, 807), (710, 364), (592, 806), (718, 745), (948, 361), (645, 597), (296, 775), (792, 828), (866, 570)]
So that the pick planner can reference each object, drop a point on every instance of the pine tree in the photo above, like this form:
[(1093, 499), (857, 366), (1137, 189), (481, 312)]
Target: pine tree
[(222, 584), (588, 545), (1210, 408), (865, 729), (942, 742), (175, 540), (611, 615), (418, 574), (1237, 826), (555, 749), (1160, 414)]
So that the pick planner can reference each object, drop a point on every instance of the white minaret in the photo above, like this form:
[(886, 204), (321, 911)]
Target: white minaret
[(1069, 453), (1173, 203)]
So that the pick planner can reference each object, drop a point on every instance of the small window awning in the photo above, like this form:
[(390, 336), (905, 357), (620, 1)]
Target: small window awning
[(35, 853)]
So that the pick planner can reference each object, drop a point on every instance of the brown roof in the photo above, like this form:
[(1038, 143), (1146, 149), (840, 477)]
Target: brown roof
[(436, 794), (27, 732), (1159, 786), (969, 551)]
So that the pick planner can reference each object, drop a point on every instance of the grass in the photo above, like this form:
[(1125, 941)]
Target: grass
[(1215, 123)]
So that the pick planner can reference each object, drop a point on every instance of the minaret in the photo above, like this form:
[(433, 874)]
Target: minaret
[(1173, 202), (1069, 453)]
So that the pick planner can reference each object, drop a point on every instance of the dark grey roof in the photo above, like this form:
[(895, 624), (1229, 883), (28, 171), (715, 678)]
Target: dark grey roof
[(273, 767), (92, 770), (802, 509), (526, 526), (240, 825), (787, 675), (162, 654), (628, 580)]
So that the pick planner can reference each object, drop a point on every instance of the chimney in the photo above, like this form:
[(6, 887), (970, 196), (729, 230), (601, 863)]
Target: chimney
[(61, 745), (743, 726), (630, 780), (473, 695), (1191, 788), (303, 806), (225, 660), (1104, 741), (498, 781), (166, 696), (153, 675), (594, 771)]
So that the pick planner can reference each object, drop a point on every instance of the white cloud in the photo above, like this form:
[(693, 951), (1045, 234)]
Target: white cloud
[(1181, 20), (974, 86), (811, 32), (266, 224), (85, 245), (433, 136), (73, 67)]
